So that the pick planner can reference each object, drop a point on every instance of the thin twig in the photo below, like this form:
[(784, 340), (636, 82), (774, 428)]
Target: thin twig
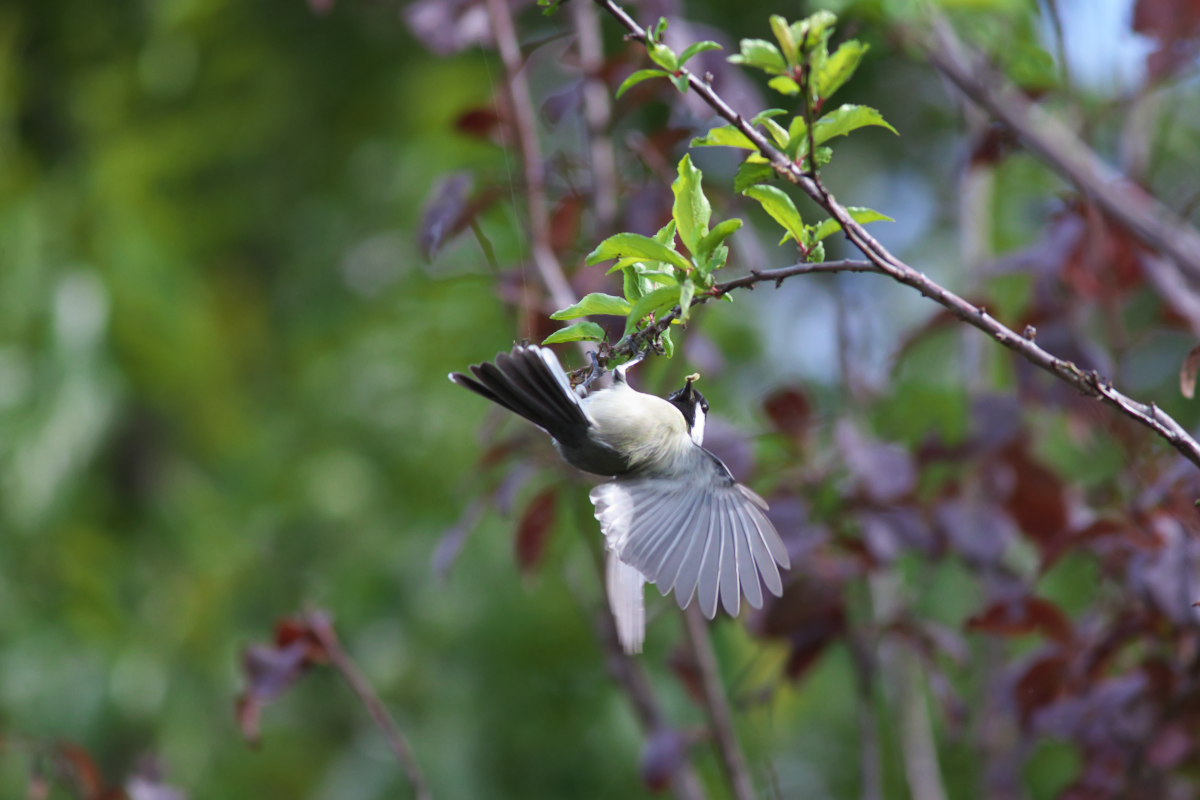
[(716, 705), (1089, 382), (597, 111), (628, 672), (524, 119), (321, 626)]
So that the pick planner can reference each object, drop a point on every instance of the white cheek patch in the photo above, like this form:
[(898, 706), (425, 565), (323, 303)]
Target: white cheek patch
[(698, 427)]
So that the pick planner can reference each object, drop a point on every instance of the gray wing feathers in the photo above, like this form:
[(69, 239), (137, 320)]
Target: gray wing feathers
[(713, 542)]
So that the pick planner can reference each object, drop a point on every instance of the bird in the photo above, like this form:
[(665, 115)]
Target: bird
[(671, 513)]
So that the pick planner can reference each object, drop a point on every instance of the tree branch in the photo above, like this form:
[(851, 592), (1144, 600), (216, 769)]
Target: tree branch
[(525, 125), (1142, 214), (716, 705), (321, 626), (1088, 382)]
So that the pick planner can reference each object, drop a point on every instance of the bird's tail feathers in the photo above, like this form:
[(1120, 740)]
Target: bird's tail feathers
[(530, 382)]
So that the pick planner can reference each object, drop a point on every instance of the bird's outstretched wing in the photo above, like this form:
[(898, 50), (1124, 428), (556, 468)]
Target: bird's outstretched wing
[(710, 539)]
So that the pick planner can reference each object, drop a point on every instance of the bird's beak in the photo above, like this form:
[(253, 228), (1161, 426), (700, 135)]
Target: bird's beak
[(688, 393)]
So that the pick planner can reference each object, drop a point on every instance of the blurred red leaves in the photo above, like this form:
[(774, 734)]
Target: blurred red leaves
[(270, 669), (534, 529), (790, 412), (1174, 25), (1024, 615)]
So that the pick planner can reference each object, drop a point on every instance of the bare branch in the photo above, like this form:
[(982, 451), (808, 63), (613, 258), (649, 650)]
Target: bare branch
[(321, 626), (1119, 197), (716, 705), (525, 125), (1088, 382)]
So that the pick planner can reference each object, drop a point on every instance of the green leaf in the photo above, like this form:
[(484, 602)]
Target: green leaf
[(687, 291), (665, 297), (777, 132), (814, 30), (725, 136), (668, 345), (631, 284), (752, 173), (691, 210), (577, 332), (694, 49), (845, 119), (781, 208), (761, 54), (720, 232), (666, 234), (787, 42), (594, 303), (767, 113), (797, 137), (660, 28), (663, 56), (638, 77), (681, 83), (634, 245), (857, 213), (784, 85), (840, 67)]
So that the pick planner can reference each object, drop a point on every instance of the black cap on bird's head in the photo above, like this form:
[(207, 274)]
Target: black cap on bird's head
[(692, 405)]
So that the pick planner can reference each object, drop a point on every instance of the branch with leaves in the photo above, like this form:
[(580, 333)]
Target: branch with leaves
[(662, 283)]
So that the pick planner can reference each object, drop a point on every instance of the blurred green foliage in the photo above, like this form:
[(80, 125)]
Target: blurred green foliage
[(223, 399)]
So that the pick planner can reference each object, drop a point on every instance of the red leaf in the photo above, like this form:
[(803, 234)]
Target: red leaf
[(790, 411), (1175, 25), (83, 770), (1037, 500), (564, 222), (1022, 616), (270, 669), (482, 123), (1043, 682), (534, 529)]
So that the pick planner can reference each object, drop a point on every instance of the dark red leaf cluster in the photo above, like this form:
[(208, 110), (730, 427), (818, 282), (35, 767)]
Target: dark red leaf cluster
[(270, 669)]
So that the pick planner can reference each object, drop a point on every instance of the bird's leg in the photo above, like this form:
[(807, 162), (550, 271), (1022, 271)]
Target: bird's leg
[(624, 368), (596, 372)]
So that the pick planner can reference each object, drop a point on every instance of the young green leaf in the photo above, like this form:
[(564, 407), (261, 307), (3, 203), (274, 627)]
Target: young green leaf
[(767, 113), (845, 119), (666, 297), (840, 67), (761, 54), (696, 48), (725, 136), (777, 132), (577, 332), (691, 211), (784, 85), (594, 303), (687, 291), (787, 42), (668, 345), (814, 30), (720, 232), (663, 56), (634, 245), (638, 77), (666, 234), (752, 173), (631, 284), (857, 213), (781, 208), (797, 137)]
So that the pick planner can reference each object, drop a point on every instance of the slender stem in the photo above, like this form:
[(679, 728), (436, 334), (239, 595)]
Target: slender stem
[(525, 125), (716, 705), (321, 626), (1089, 382), (597, 111)]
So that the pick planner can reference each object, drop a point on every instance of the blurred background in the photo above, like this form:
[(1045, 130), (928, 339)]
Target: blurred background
[(243, 243)]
